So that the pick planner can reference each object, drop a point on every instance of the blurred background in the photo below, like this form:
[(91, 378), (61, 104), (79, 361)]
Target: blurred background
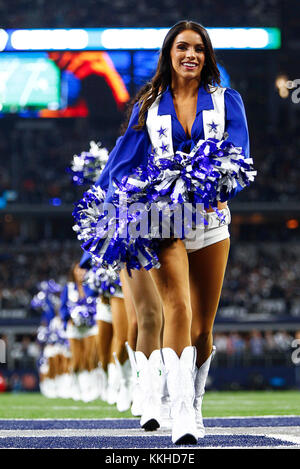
[(54, 100)]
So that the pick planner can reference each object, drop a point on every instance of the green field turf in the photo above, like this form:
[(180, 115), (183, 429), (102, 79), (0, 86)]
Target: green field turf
[(216, 404)]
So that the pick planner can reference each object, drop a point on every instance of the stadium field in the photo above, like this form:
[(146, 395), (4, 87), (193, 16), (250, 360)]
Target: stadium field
[(216, 404), (239, 420)]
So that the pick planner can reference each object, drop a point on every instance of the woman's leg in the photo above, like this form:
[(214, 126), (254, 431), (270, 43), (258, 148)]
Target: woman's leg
[(146, 360), (207, 269), (131, 312), (89, 345), (148, 308), (172, 282), (76, 347), (52, 370), (119, 318), (104, 340)]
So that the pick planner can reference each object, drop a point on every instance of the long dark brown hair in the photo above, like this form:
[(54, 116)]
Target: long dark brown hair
[(210, 74)]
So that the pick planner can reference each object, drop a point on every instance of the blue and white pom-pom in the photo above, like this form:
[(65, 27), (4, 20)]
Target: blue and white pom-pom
[(103, 241), (209, 175), (105, 281), (42, 335), (206, 176), (39, 301), (83, 312), (86, 167), (86, 212)]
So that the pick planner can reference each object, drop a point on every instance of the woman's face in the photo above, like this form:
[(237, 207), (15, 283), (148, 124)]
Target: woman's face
[(187, 55)]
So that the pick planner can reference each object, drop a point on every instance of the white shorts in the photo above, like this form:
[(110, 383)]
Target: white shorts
[(66, 351), (205, 235), (74, 332), (51, 351), (103, 312), (44, 368)]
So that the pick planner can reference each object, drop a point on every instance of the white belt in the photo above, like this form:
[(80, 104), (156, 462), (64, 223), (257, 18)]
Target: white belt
[(214, 221)]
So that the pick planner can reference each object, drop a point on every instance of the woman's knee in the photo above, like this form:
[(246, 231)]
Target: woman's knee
[(178, 313), (200, 336), (149, 320)]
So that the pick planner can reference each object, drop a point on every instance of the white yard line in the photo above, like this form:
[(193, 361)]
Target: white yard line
[(126, 418), (286, 437), (289, 434)]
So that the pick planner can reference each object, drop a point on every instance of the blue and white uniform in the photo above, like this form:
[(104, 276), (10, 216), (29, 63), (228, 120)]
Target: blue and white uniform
[(132, 149), (107, 284), (161, 162), (82, 312)]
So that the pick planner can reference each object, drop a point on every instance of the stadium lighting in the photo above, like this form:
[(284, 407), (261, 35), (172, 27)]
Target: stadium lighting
[(3, 39), (130, 39), (49, 39), (281, 84), (292, 224), (239, 38)]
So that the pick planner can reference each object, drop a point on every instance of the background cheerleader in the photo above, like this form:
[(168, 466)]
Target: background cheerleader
[(112, 321), (78, 309), (116, 318)]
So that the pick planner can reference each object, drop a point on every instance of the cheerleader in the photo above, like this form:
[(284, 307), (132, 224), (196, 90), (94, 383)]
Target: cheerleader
[(49, 337), (150, 397), (112, 334), (115, 318), (55, 352), (186, 142), (78, 308)]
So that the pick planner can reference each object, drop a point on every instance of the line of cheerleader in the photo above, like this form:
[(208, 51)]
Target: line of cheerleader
[(88, 332), (87, 336)]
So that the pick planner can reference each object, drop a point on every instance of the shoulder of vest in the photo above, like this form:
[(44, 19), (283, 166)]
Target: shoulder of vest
[(217, 90)]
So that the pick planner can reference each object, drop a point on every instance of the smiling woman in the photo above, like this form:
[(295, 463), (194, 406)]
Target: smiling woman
[(186, 144), (184, 39), (188, 51), (187, 58)]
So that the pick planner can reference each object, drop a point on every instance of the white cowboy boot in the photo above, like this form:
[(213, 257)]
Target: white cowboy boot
[(148, 376), (136, 395), (75, 388), (165, 402), (104, 385), (200, 380), (123, 397), (180, 381), (113, 383), (85, 384)]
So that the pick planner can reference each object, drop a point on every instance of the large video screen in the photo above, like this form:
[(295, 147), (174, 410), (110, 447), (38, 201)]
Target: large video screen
[(28, 81), (73, 84), (64, 84)]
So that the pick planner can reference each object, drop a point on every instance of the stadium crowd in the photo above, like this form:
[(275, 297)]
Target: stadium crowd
[(21, 269), (251, 285), (233, 349), (42, 14), (44, 153)]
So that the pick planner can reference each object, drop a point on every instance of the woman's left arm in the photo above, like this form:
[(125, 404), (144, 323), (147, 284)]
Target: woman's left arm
[(236, 121), (236, 125)]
